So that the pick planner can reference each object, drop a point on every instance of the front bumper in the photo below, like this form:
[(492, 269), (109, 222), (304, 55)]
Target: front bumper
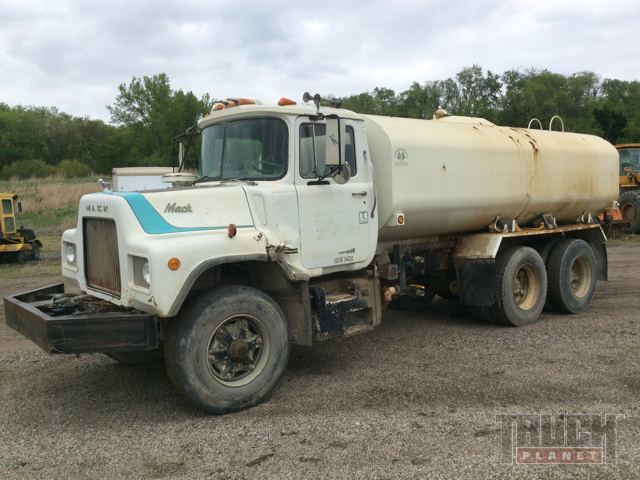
[(82, 325)]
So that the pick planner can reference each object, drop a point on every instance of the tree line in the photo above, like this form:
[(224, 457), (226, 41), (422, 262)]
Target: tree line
[(145, 116), (147, 113)]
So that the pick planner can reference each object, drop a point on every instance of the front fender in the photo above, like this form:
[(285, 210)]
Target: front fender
[(203, 267)]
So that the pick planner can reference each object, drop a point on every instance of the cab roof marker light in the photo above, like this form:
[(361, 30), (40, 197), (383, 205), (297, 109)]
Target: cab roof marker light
[(286, 101)]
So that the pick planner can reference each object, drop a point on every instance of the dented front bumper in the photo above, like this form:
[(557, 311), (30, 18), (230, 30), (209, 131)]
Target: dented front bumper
[(60, 323)]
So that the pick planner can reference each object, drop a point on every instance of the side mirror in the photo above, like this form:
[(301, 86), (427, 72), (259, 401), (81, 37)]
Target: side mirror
[(333, 143), (19, 207), (342, 174)]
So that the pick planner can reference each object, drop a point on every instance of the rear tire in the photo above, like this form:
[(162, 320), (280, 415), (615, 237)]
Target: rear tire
[(630, 210), (572, 276), (35, 252), (136, 358), (227, 350), (522, 287)]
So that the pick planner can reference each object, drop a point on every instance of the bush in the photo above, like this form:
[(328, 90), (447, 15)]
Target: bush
[(28, 169), (73, 168)]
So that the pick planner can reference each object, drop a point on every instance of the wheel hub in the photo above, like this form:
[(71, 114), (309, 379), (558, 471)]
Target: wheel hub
[(526, 287), (580, 277), (239, 350), (235, 349)]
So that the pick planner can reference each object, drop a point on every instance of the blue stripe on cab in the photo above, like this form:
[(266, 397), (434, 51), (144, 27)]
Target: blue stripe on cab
[(151, 221)]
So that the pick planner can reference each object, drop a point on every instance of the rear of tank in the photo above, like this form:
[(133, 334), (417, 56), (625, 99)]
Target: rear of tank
[(456, 174)]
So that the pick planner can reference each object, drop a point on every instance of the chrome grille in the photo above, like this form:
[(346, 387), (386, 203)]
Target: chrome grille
[(102, 265)]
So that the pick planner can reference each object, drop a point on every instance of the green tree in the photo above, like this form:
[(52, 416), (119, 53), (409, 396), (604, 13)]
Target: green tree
[(478, 93), (155, 113)]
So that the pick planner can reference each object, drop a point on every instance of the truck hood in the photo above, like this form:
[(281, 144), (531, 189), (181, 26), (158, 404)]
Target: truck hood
[(173, 211)]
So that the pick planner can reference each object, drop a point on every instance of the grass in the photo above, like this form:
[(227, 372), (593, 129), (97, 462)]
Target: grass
[(49, 205), (48, 265)]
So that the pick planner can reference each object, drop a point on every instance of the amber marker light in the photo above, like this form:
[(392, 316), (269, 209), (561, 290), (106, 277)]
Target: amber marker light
[(232, 230), (173, 264), (400, 219), (286, 101)]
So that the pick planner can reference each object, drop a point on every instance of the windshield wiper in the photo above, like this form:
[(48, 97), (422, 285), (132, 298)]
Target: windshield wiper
[(206, 178), (240, 180)]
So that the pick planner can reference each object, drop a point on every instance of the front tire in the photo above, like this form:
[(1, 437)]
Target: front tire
[(572, 276), (227, 350), (522, 286)]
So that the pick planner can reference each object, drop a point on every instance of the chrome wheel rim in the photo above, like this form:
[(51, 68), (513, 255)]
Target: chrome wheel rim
[(237, 350)]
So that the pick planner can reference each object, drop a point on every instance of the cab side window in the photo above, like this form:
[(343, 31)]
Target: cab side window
[(6, 207), (312, 150)]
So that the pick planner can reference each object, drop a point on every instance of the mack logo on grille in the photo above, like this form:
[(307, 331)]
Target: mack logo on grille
[(175, 208), (98, 208)]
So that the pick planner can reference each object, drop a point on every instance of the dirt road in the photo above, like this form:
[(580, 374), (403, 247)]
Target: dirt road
[(417, 398)]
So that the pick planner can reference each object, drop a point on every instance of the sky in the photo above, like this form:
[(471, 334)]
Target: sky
[(73, 54)]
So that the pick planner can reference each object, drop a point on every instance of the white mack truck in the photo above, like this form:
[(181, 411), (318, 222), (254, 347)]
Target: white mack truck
[(303, 222)]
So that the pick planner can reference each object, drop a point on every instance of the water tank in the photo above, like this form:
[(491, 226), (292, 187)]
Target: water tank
[(456, 174)]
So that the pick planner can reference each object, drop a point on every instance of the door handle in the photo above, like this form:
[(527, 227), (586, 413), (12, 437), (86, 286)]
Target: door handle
[(359, 194)]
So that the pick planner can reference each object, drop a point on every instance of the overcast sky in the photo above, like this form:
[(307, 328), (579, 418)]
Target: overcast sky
[(73, 54)]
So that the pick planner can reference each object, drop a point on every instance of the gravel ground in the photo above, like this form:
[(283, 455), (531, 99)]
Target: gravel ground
[(417, 398)]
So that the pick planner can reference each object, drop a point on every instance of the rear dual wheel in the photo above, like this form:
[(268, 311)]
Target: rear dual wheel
[(522, 287), (568, 282), (572, 273)]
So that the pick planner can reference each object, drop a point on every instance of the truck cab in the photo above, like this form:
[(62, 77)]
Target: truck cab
[(264, 194)]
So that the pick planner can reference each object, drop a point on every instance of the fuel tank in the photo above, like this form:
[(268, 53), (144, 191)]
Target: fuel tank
[(456, 174)]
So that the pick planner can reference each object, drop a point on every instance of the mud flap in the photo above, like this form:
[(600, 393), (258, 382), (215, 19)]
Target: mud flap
[(477, 282)]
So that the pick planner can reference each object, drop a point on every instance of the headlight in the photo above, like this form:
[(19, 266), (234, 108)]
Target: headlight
[(70, 253), (141, 272), (146, 276)]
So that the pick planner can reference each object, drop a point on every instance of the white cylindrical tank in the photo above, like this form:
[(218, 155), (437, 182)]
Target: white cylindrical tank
[(456, 174)]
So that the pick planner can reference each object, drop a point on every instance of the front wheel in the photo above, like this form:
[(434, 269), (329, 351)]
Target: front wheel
[(227, 350)]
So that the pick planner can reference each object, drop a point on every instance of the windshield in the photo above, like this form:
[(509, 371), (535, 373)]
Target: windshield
[(249, 149), (630, 157)]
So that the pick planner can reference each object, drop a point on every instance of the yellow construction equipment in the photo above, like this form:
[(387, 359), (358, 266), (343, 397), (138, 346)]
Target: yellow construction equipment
[(629, 199), (17, 244)]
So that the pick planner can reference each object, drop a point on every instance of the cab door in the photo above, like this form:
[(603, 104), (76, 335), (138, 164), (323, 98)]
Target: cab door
[(336, 223)]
